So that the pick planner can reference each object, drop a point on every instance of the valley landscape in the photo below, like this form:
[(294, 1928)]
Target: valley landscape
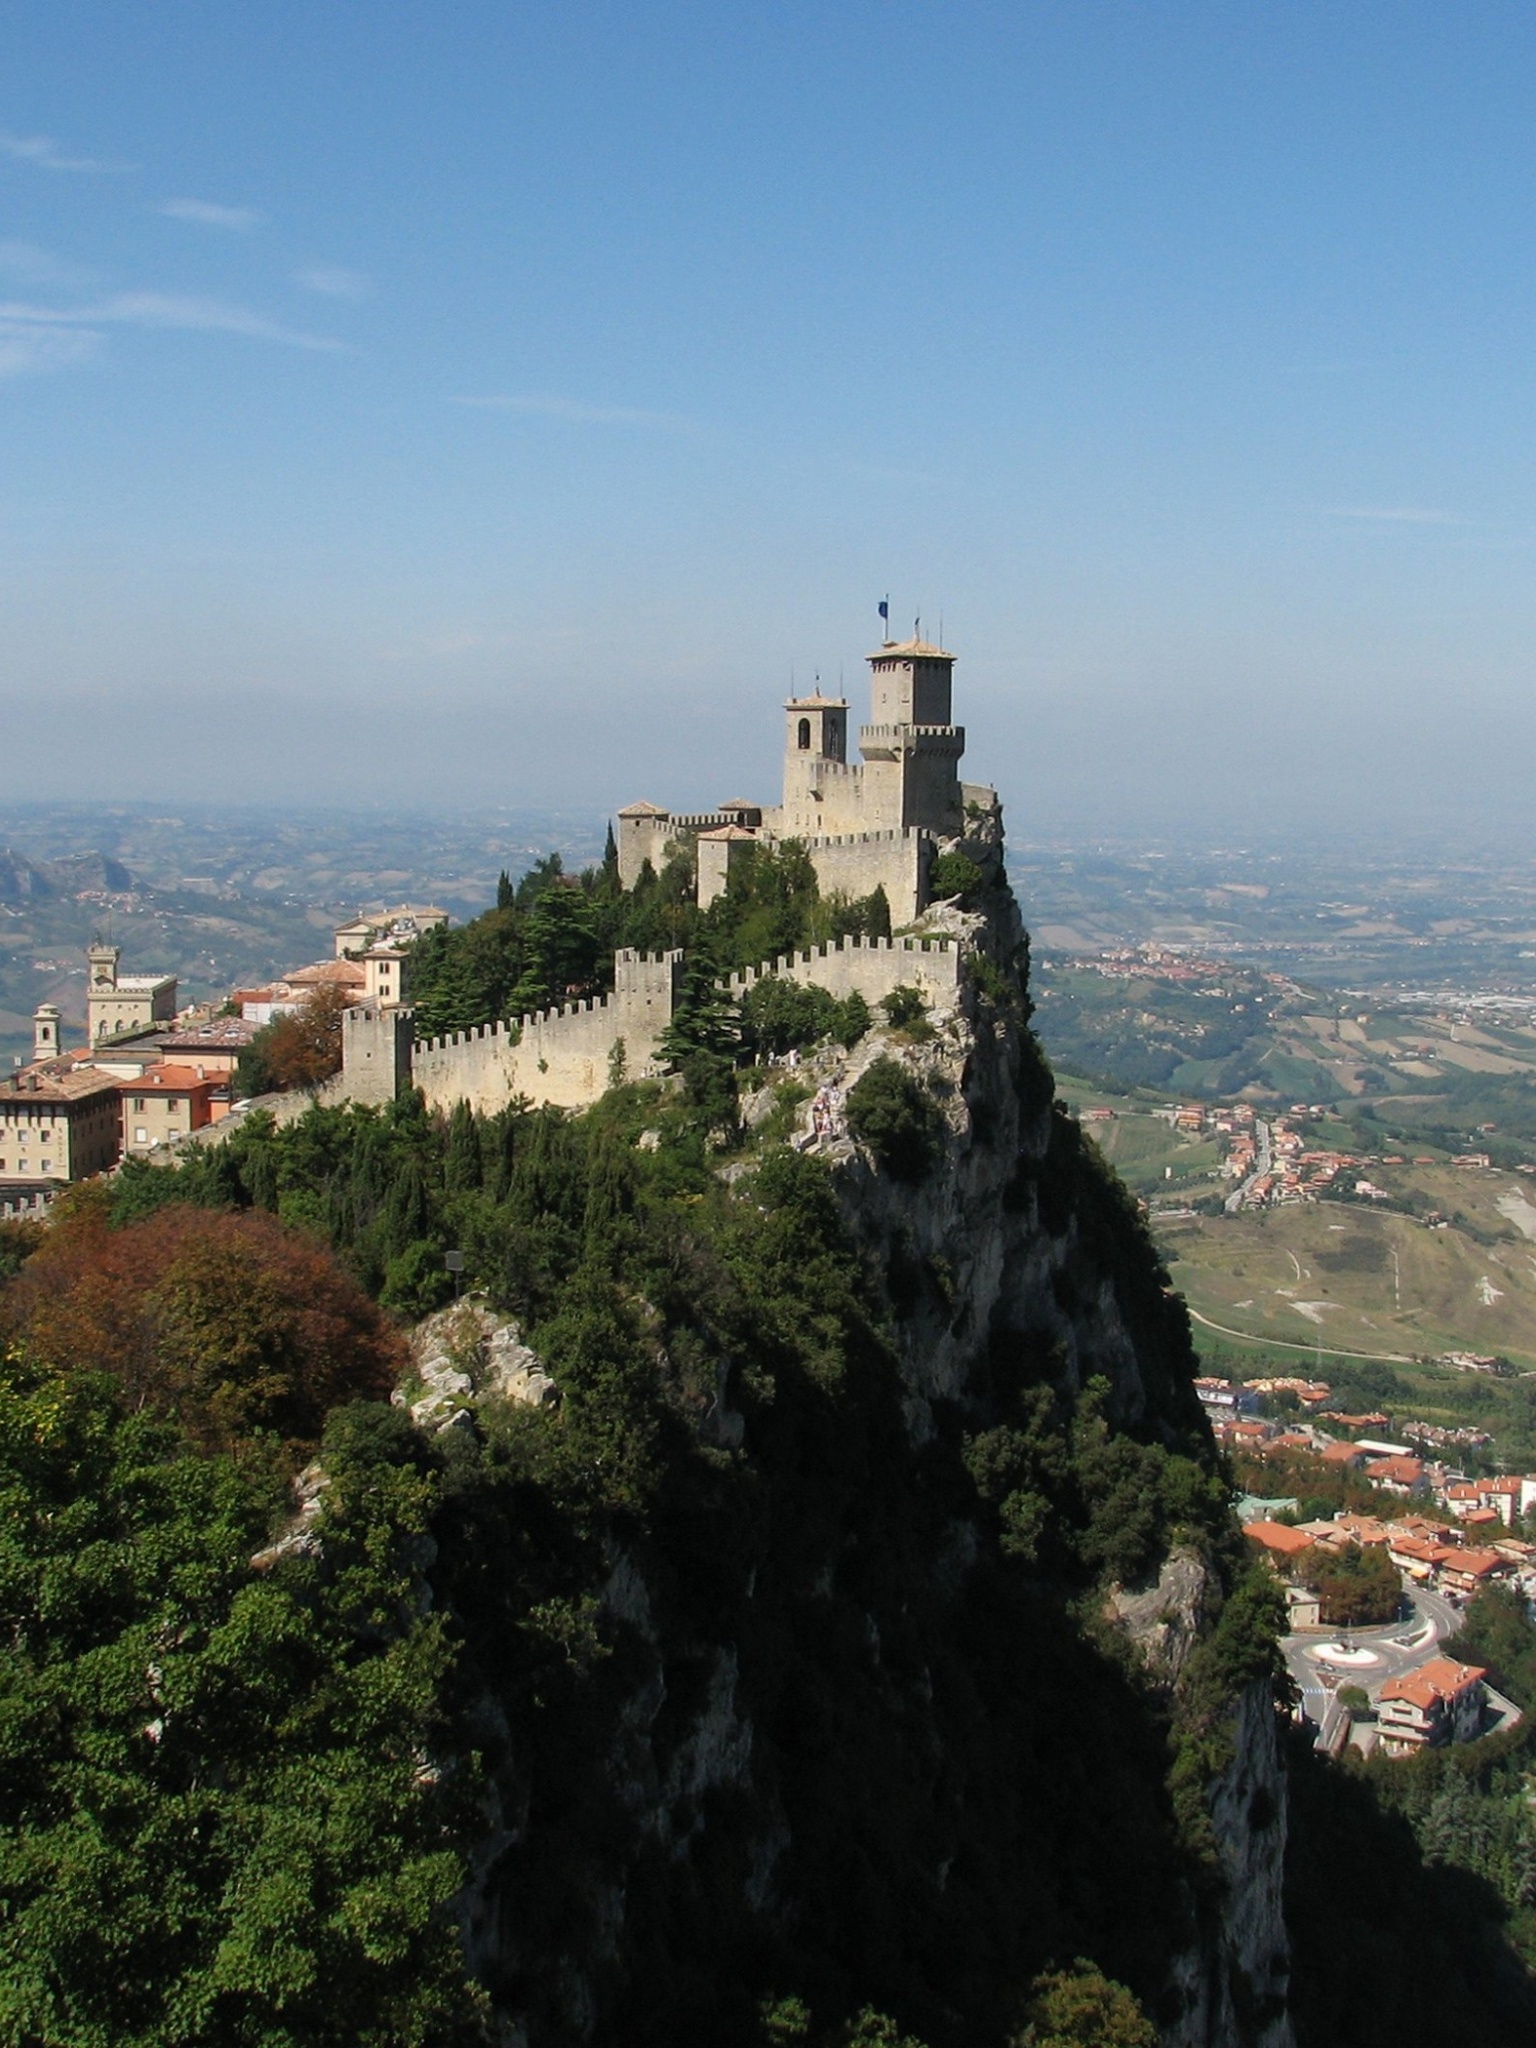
[(895, 1410)]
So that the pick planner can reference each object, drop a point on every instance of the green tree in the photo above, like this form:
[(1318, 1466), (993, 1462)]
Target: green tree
[(896, 1117), (462, 1165), (955, 875), (1082, 2008), (214, 1826)]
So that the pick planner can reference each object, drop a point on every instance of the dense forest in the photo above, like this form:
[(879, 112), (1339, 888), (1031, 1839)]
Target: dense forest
[(314, 1722)]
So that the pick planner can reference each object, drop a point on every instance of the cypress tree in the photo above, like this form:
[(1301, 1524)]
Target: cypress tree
[(462, 1165)]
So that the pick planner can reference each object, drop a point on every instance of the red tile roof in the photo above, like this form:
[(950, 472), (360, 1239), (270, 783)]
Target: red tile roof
[(1442, 1678), (1278, 1537)]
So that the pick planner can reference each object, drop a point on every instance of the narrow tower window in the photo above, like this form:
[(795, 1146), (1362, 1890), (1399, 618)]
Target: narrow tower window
[(805, 735)]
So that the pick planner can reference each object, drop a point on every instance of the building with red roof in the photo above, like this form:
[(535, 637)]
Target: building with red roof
[(1440, 1702)]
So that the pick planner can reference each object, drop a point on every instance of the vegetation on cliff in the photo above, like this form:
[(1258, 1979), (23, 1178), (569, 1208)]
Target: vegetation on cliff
[(726, 1698), (552, 939)]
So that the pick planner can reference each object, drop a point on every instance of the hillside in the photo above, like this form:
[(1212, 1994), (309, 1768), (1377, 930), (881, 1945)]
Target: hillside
[(805, 1606), (224, 897), (1212, 1029)]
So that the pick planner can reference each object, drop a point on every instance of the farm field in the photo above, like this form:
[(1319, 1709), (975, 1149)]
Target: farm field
[(1360, 1280)]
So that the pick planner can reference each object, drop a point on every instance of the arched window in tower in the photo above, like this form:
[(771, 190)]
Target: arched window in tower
[(805, 735)]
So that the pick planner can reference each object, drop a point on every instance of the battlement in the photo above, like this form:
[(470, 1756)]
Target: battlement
[(886, 838), (872, 968), (934, 739), (477, 1034)]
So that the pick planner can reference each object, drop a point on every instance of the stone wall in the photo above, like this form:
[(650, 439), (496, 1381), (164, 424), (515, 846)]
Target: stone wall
[(647, 837), (860, 862), (375, 1051), (562, 1056), (872, 967), (566, 1056)]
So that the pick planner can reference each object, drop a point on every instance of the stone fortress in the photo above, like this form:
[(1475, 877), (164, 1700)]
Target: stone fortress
[(878, 822), (872, 823)]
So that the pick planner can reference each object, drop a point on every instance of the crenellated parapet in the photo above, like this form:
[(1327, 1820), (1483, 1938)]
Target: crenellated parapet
[(567, 1054), (872, 968), (570, 1053)]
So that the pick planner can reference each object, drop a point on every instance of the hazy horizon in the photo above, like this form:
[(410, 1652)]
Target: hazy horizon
[(503, 406)]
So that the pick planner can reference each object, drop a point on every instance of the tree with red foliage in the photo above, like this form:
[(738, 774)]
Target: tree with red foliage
[(300, 1048), (231, 1322)]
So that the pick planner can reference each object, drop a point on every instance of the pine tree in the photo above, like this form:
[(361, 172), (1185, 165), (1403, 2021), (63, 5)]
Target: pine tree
[(462, 1165)]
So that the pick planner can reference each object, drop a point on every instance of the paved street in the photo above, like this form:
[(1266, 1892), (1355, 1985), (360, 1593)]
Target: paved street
[(1374, 1654), (1263, 1160)]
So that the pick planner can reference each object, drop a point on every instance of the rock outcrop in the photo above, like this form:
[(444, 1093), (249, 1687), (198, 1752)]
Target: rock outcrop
[(466, 1354), (1017, 1255)]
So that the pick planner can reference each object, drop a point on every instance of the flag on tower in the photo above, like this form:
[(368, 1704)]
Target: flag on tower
[(885, 609)]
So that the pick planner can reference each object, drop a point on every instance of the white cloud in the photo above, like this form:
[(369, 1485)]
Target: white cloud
[(28, 350), (546, 407), (30, 265), (169, 310), (332, 282), (43, 151), (1401, 515), (209, 215)]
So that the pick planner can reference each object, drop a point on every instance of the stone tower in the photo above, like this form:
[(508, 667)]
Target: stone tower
[(102, 958), (815, 755), (46, 1019), (911, 750)]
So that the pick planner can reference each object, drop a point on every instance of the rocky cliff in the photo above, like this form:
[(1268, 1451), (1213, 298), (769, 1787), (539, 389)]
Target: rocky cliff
[(930, 1665)]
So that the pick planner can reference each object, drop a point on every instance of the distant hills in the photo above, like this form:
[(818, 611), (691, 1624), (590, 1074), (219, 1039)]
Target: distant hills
[(25, 881)]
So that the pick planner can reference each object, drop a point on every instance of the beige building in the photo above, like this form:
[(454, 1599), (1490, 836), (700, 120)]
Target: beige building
[(115, 1002), (162, 1105), (402, 925), (874, 821), (1442, 1701), (58, 1121), (387, 971)]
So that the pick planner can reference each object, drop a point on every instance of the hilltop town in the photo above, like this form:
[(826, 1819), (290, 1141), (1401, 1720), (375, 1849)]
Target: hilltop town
[(897, 829)]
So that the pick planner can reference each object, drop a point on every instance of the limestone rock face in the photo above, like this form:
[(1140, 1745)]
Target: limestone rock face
[(1015, 1240), (1167, 1619), (465, 1354), (299, 1537), (1234, 1978)]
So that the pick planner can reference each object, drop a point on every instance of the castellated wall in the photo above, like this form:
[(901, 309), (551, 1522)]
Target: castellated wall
[(648, 838), (564, 1056), (870, 967), (556, 1056)]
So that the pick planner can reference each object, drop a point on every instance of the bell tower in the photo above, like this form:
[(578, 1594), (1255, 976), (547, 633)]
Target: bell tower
[(818, 726), (46, 1019)]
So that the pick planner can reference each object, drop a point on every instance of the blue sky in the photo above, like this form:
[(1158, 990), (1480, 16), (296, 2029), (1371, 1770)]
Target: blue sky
[(419, 402)]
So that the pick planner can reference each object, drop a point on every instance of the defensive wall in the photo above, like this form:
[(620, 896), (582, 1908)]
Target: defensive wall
[(647, 837), (562, 1056), (857, 863), (872, 968), (566, 1056)]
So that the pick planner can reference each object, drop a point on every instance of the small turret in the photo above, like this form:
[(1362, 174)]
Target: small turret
[(46, 1020)]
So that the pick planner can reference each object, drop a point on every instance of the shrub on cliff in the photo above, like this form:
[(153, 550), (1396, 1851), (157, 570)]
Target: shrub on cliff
[(955, 875), (779, 1015), (231, 1322), (896, 1117)]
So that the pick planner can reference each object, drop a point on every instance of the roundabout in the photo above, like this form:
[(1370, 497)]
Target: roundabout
[(1349, 1655)]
